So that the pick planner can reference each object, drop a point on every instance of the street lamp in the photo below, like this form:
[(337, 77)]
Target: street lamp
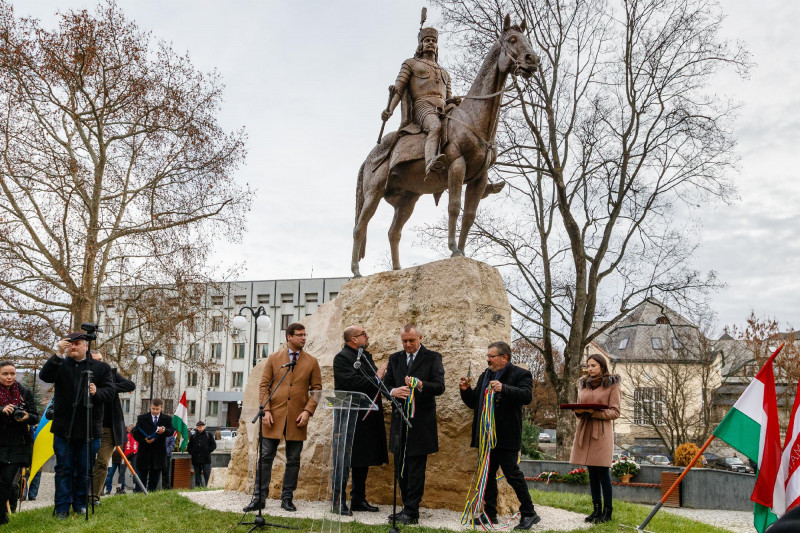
[(262, 321), (157, 360)]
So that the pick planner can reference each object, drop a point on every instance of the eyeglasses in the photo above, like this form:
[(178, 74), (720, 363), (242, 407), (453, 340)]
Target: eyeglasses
[(363, 333), (492, 356)]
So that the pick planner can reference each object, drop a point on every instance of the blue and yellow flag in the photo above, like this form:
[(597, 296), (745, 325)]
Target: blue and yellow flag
[(42, 443)]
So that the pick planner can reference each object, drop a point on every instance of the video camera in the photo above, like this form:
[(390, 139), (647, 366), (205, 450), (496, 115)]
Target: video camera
[(91, 330)]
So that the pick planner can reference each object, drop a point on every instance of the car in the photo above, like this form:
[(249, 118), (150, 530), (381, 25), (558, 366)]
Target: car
[(732, 464), (544, 437), (659, 460)]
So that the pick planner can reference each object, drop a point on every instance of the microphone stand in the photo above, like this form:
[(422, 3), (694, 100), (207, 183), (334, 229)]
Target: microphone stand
[(398, 409), (258, 521)]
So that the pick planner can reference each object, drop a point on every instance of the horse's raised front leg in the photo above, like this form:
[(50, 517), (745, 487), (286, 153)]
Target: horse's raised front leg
[(472, 198), (455, 182), (403, 207)]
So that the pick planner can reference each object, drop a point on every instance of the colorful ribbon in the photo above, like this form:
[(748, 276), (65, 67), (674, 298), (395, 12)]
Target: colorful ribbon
[(487, 440), (410, 409)]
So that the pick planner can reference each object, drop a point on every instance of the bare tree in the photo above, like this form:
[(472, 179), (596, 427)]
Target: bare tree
[(114, 173), (615, 141)]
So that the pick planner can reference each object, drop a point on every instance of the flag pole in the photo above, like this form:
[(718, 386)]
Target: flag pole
[(675, 485)]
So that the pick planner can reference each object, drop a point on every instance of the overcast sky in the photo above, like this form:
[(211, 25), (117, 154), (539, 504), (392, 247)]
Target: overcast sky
[(308, 80)]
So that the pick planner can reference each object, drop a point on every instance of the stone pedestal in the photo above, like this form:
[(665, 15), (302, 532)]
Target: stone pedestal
[(460, 306)]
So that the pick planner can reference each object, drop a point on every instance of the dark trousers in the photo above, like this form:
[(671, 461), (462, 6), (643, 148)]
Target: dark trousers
[(116, 467), (7, 473), (150, 477), (201, 474), (72, 472), (32, 488), (507, 460), (600, 479), (412, 480), (269, 448)]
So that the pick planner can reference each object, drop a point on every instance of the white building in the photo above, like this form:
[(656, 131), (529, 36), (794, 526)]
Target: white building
[(214, 392)]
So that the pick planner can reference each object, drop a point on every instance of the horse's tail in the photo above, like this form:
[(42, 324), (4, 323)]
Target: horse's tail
[(360, 206)]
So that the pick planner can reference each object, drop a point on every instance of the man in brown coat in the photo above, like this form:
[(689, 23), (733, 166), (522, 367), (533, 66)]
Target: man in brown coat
[(287, 413)]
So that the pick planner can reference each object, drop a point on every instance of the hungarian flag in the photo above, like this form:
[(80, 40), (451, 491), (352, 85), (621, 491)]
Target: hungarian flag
[(752, 427), (179, 421), (789, 473)]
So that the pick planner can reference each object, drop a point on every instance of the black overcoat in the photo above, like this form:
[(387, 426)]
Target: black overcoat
[(369, 442), (117, 417), (517, 391), (201, 444), (423, 437), (152, 456), (65, 375), (16, 442)]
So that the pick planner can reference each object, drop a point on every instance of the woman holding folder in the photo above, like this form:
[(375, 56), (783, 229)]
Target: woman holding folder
[(594, 436)]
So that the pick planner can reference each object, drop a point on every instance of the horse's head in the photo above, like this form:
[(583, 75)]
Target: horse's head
[(517, 55)]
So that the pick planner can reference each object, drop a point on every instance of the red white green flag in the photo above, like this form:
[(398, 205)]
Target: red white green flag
[(789, 473), (752, 427), (179, 421)]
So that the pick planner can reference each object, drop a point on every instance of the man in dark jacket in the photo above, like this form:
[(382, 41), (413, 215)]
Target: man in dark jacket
[(512, 386), (114, 433), (201, 444), (69, 419), (151, 432), (423, 368), (369, 441)]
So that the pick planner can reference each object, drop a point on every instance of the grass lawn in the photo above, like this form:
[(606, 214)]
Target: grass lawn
[(167, 511)]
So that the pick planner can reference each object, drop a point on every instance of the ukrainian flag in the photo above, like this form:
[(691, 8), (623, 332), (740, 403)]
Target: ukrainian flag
[(42, 443)]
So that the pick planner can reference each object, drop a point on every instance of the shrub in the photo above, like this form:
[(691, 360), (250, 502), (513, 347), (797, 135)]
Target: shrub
[(624, 466), (530, 440), (685, 453), (579, 475), (548, 476)]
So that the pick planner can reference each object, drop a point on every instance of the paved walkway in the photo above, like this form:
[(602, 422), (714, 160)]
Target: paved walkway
[(736, 521)]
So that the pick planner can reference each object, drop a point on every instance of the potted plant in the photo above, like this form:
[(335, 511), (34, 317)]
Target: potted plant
[(624, 468)]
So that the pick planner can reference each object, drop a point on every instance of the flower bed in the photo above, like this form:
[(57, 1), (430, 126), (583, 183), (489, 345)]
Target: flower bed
[(579, 476), (624, 467)]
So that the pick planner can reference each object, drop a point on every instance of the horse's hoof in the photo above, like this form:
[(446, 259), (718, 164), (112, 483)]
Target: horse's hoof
[(457, 253)]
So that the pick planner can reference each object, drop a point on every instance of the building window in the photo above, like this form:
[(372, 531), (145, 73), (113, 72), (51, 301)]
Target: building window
[(216, 323), (213, 409), (191, 406), (676, 343), (285, 321), (110, 303), (238, 379), (287, 298), (132, 350), (146, 378), (217, 300), (311, 297), (333, 295), (648, 406), (623, 343), (109, 328), (126, 405), (171, 379), (214, 381), (216, 350), (262, 350), (145, 405), (238, 350), (263, 298), (191, 379), (662, 320), (194, 351), (240, 299), (168, 404), (655, 342)]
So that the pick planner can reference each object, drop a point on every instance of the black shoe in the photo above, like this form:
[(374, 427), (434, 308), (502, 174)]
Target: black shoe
[(407, 519), (363, 505), (394, 515), (597, 511), (485, 519), (341, 510), (62, 515), (287, 505), (254, 505), (604, 517), (526, 522), (31, 498)]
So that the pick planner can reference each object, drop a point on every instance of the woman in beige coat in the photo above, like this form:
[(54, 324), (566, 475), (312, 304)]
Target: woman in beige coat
[(594, 436)]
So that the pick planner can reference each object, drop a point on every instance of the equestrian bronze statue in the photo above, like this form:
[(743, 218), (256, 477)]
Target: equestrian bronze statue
[(443, 143)]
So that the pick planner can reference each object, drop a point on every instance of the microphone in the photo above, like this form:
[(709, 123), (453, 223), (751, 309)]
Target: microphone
[(290, 363), (357, 364)]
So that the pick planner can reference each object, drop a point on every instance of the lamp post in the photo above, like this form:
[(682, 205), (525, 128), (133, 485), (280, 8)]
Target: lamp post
[(157, 360), (261, 321)]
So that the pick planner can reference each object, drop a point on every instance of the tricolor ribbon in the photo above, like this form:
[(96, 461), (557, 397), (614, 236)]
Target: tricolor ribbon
[(409, 409), (487, 440)]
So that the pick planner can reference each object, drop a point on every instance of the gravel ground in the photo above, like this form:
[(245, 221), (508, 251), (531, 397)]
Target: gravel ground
[(552, 519), (736, 521)]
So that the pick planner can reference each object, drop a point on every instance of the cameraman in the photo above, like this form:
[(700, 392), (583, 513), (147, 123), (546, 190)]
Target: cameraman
[(16, 446), (69, 418)]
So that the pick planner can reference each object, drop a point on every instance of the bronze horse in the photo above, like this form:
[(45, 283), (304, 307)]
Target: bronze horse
[(470, 151)]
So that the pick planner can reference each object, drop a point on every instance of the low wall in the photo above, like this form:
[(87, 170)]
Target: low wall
[(702, 488)]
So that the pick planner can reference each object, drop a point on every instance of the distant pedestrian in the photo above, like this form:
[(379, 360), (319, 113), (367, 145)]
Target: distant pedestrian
[(201, 444), (118, 466)]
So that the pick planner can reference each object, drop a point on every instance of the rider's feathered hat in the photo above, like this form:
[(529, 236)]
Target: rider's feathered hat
[(427, 32)]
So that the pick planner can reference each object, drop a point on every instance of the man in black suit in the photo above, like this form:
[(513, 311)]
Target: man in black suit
[(369, 441), (151, 431), (411, 447), (512, 386)]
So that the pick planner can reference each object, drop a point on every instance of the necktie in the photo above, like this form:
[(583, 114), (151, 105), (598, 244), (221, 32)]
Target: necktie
[(155, 421), (294, 357), (409, 359)]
